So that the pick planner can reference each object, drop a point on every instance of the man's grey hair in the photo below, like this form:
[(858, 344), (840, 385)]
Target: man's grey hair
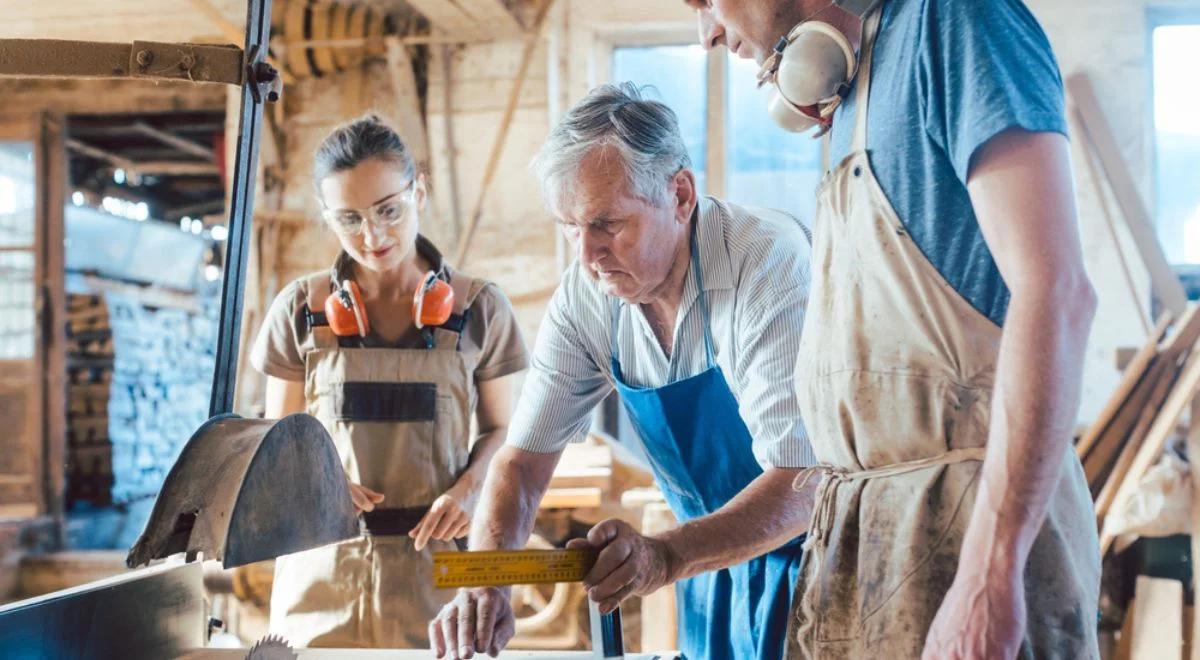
[(643, 133)]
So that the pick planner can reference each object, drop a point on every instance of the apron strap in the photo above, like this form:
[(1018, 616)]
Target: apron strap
[(863, 90), (826, 147), (702, 299), (316, 288), (448, 335), (615, 306)]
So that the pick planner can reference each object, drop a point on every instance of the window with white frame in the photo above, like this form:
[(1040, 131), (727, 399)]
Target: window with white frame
[(739, 154), (1176, 50)]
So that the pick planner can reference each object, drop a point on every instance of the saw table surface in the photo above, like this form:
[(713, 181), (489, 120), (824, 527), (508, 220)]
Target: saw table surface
[(412, 654)]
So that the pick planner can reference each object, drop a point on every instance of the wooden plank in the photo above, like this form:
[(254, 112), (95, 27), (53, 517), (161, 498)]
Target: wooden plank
[(1129, 379), (1157, 631), (659, 631), (1165, 378), (1094, 176), (572, 498), (1164, 425), (1098, 462), (1099, 134), (1193, 450), (172, 140)]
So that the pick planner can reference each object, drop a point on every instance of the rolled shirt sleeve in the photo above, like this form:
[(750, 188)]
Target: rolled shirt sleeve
[(564, 383), (276, 351)]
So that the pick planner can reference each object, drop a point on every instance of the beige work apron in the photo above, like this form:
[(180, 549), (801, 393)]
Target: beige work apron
[(895, 378), (377, 591)]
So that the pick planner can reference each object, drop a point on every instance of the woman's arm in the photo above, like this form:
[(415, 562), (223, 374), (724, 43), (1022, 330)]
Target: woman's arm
[(450, 516), (283, 397)]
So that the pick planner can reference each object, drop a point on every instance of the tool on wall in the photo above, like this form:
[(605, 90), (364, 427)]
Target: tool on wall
[(504, 568)]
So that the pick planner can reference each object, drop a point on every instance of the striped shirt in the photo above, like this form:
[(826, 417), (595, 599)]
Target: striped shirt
[(755, 267)]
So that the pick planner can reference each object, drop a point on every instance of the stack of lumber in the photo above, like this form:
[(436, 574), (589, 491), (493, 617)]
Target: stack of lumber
[(1142, 415), (89, 351), (162, 376), (139, 382)]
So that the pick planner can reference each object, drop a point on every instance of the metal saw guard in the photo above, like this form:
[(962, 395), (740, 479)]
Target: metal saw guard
[(247, 490)]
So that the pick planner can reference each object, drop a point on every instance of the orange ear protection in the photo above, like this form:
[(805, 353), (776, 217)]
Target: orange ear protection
[(345, 311), (433, 302)]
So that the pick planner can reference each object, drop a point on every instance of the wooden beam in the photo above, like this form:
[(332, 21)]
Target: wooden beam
[(531, 41), (99, 154), (492, 13), (451, 147), (1098, 134), (136, 169), (450, 18), (172, 140), (408, 102)]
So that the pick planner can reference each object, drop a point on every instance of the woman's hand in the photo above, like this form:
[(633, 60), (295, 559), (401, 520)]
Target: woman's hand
[(449, 518), (364, 498)]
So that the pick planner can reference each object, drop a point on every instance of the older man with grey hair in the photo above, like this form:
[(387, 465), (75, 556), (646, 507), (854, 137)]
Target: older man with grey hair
[(691, 309)]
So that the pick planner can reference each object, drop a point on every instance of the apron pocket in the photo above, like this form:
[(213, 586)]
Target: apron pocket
[(385, 402)]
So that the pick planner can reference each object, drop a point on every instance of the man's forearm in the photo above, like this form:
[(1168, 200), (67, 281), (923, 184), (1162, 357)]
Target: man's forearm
[(765, 515), (485, 447), (1036, 396), (511, 494)]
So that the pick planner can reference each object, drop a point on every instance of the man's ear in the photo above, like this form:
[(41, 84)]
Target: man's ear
[(685, 195)]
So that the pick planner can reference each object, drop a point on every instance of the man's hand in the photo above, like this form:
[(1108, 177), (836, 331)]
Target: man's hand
[(981, 618), (448, 518), (364, 498), (628, 564), (476, 621)]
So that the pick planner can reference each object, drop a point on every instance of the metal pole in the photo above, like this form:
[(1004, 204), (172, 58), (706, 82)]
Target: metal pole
[(241, 204)]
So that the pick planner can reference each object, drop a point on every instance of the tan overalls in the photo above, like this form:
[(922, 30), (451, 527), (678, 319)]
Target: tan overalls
[(895, 378), (400, 419)]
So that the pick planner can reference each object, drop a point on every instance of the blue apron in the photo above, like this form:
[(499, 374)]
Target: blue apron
[(700, 451)]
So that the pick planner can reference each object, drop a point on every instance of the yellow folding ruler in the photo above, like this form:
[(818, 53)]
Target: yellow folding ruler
[(501, 568)]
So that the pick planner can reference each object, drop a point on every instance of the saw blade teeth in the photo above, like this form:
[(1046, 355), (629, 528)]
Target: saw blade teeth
[(271, 647)]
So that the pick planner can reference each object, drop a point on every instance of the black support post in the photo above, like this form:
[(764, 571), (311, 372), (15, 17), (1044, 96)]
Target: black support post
[(260, 86)]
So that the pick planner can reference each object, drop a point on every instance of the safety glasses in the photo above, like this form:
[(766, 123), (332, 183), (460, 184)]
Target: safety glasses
[(388, 212)]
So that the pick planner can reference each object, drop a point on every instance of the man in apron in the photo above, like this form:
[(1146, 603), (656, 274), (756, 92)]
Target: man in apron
[(688, 308), (940, 365)]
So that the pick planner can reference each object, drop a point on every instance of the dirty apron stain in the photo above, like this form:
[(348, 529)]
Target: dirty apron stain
[(700, 451), (400, 419), (895, 378)]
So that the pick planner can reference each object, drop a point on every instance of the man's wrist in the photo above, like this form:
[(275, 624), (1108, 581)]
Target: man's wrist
[(675, 560)]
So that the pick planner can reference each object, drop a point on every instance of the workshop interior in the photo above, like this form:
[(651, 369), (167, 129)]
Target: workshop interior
[(200, 410)]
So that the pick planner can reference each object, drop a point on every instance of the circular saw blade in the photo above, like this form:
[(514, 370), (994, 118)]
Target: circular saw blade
[(271, 647)]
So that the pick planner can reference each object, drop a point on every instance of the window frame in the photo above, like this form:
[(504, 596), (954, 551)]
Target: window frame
[(605, 41), (1157, 17)]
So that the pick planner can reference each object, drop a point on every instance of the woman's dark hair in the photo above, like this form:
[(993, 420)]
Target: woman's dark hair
[(359, 140)]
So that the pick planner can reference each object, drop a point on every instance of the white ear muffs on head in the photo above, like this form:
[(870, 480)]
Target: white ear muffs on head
[(809, 72)]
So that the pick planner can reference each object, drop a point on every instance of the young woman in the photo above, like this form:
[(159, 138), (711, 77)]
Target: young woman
[(396, 384)]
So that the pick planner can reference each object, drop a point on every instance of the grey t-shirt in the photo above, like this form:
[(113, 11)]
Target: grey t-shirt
[(948, 76), (491, 337)]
